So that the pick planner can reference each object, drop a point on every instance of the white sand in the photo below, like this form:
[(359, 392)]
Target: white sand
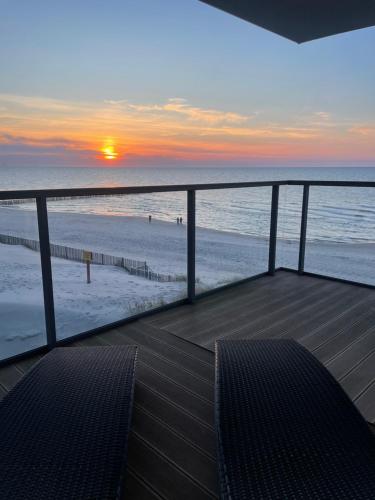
[(112, 295), (222, 257)]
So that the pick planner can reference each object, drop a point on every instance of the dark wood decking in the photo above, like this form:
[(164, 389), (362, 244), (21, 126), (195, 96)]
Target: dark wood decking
[(335, 321), (172, 443)]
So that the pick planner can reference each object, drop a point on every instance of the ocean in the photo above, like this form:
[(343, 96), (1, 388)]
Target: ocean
[(345, 215)]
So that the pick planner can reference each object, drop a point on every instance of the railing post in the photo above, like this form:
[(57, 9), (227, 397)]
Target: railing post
[(191, 245), (45, 258), (273, 230), (302, 239)]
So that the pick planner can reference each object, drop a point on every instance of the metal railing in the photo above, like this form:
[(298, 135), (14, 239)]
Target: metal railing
[(41, 197)]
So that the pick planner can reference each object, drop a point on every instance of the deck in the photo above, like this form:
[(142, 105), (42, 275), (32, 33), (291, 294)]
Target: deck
[(172, 443)]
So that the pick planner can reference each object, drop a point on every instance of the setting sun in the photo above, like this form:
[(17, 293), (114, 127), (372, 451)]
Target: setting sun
[(109, 152)]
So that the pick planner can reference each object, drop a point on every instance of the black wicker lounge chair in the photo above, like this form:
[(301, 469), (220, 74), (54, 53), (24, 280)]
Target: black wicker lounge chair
[(286, 429), (64, 427)]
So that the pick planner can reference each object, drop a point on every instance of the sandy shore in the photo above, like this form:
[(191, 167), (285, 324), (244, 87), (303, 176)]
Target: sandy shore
[(221, 257), (112, 295)]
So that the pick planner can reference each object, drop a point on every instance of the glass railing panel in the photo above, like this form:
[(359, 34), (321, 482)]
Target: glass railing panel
[(21, 289), (232, 235), (136, 264), (289, 225), (341, 233)]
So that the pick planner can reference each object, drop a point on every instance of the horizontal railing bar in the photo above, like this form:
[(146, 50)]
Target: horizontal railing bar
[(107, 191), (63, 193), (362, 184)]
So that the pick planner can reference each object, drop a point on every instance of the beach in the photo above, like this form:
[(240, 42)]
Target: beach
[(113, 294)]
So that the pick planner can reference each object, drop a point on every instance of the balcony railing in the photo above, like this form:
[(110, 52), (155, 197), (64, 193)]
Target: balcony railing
[(42, 197)]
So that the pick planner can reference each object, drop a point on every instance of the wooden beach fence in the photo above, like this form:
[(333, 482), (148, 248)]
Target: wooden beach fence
[(26, 201), (132, 266)]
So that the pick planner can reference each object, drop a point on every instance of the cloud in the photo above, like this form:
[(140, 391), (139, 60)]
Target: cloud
[(178, 105), (364, 130), (63, 142), (174, 128), (323, 115), (197, 114)]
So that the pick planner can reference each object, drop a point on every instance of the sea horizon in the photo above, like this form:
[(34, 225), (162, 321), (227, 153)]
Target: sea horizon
[(342, 215)]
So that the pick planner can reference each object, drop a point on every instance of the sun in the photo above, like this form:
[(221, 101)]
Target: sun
[(109, 152)]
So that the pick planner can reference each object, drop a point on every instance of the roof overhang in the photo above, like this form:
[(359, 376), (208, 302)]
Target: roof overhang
[(302, 20)]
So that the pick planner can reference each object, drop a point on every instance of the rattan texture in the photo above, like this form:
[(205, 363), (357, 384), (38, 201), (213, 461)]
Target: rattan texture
[(64, 427), (286, 429)]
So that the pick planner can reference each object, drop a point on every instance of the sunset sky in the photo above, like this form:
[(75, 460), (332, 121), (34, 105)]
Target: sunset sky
[(166, 82)]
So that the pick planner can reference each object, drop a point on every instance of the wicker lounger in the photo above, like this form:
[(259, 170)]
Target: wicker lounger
[(64, 427), (286, 429)]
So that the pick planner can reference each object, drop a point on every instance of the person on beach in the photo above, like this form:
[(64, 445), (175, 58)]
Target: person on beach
[(149, 219), (178, 220)]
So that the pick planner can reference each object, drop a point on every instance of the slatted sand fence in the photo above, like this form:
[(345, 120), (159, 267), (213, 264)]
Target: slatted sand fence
[(132, 266)]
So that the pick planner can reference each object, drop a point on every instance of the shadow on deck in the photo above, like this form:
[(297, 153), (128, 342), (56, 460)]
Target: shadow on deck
[(172, 444)]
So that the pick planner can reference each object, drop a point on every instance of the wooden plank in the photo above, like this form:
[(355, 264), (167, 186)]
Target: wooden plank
[(238, 299), (307, 317), (136, 489), (190, 381), (366, 404), (329, 340), (162, 475), (323, 313), (200, 434), (188, 348), (248, 291), (186, 379), (360, 378), (213, 329), (165, 317), (9, 376), (175, 393), (272, 314), (140, 334), (261, 303), (195, 464), (353, 355)]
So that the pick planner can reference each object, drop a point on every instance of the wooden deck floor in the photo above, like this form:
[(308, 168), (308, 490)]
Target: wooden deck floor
[(172, 443), (335, 321)]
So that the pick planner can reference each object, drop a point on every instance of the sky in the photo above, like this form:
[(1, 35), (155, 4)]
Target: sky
[(166, 82)]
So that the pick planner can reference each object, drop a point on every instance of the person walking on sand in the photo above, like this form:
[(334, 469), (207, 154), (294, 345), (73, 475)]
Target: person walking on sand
[(180, 220), (149, 219)]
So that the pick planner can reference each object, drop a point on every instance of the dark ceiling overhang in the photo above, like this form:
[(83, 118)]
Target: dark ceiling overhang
[(302, 20)]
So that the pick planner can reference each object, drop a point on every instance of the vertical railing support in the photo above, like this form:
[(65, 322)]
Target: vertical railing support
[(273, 230), (302, 239), (45, 258), (191, 245)]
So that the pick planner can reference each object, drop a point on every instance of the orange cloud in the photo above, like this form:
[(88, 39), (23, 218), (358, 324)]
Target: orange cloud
[(174, 129)]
